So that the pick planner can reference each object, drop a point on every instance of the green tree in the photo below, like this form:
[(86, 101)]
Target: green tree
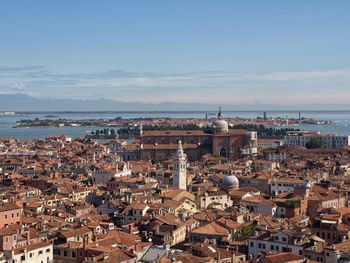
[(315, 143), (245, 231)]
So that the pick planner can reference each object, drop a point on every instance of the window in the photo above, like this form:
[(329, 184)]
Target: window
[(286, 249), (277, 248), (300, 252), (272, 247), (252, 244), (284, 239), (259, 245), (5, 216), (327, 254), (40, 252), (48, 250), (7, 239)]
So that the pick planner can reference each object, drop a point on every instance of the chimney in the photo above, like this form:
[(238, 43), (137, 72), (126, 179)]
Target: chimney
[(28, 236), (218, 257), (233, 257), (85, 244)]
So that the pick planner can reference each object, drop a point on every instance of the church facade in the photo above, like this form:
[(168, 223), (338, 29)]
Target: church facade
[(219, 141)]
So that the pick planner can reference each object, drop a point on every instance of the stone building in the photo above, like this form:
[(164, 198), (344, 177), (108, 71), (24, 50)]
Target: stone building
[(219, 141)]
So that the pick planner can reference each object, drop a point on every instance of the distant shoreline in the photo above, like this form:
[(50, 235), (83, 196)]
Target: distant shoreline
[(184, 112)]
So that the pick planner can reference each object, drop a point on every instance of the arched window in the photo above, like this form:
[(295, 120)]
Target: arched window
[(223, 152)]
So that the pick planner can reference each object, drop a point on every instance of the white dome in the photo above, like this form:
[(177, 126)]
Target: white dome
[(220, 123), (230, 181)]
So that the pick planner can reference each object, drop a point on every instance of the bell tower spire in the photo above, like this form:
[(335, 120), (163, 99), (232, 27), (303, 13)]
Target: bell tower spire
[(179, 169), (141, 129)]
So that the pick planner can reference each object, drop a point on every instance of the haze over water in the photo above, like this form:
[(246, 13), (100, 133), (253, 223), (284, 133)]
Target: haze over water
[(340, 119)]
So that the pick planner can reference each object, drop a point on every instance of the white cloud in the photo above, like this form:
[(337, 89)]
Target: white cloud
[(19, 87), (208, 87)]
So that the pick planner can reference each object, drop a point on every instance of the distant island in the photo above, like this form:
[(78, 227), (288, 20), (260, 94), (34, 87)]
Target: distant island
[(167, 122), (27, 123)]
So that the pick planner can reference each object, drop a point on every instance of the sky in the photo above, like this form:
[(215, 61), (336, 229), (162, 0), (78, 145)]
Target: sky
[(231, 52)]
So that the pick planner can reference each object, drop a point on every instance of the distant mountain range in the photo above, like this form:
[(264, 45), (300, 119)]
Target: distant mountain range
[(23, 102)]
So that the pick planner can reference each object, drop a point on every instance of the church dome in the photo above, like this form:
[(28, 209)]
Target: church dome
[(230, 181), (220, 124)]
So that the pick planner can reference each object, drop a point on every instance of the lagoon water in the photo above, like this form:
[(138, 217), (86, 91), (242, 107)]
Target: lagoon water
[(340, 119)]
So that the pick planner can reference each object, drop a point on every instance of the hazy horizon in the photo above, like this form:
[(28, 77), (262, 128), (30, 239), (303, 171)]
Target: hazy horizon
[(24, 103)]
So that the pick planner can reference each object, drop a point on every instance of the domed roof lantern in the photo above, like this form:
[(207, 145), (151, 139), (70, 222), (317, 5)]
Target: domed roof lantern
[(220, 114), (220, 124)]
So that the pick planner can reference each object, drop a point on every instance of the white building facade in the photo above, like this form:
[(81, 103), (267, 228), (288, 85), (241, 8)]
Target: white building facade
[(330, 141), (102, 176)]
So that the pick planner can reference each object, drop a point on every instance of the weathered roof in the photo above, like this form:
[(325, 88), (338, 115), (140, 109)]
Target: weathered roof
[(211, 228)]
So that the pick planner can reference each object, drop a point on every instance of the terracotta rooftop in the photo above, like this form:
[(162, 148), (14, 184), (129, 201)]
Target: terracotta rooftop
[(8, 206), (212, 228), (281, 257)]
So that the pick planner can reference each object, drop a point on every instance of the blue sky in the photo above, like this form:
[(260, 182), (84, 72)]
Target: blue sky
[(270, 52)]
